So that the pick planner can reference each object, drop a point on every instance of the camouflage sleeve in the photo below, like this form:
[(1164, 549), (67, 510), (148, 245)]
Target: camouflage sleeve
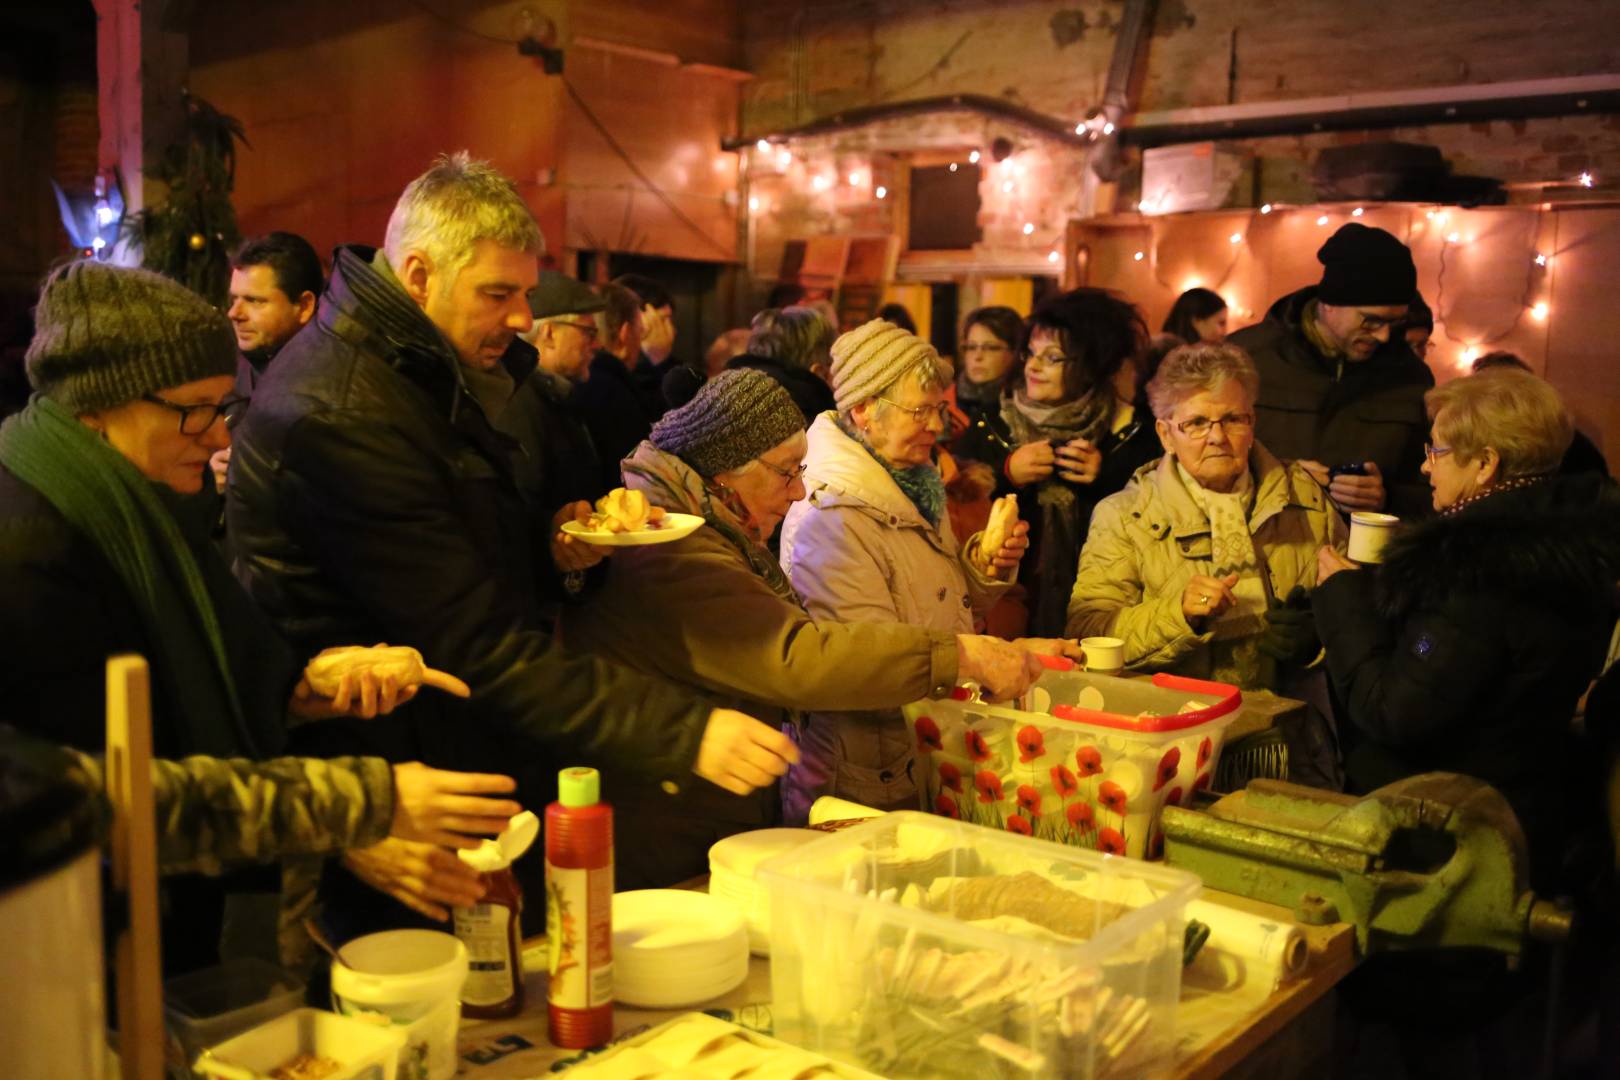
[(216, 811)]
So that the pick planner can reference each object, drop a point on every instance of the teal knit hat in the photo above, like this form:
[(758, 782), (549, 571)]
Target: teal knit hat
[(105, 335)]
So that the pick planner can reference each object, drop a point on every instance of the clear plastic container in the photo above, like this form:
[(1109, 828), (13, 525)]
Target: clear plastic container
[(1087, 760), (914, 946), (362, 1051), (209, 1006)]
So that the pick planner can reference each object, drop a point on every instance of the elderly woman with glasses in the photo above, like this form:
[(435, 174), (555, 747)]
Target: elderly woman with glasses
[(1203, 562), (105, 546), (872, 544), (1066, 434), (1467, 649), (714, 611)]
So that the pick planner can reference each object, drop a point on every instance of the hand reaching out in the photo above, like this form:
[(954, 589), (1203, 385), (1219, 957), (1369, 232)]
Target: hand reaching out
[(741, 754), (449, 808), (424, 877)]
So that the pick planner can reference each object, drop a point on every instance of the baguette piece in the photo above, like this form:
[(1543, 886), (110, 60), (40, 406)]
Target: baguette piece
[(1003, 519)]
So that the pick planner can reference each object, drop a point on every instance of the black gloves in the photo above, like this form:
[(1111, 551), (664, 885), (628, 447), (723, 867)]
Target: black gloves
[(1290, 633)]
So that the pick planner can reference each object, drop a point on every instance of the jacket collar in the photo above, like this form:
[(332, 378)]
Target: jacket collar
[(1276, 488), (841, 472)]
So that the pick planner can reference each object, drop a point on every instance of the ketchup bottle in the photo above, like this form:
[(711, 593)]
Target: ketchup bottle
[(579, 912), (491, 929)]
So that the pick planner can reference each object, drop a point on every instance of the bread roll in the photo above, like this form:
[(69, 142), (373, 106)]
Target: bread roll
[(1003, 518)]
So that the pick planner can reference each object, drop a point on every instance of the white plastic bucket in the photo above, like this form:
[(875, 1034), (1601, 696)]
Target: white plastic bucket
[(412, 977)]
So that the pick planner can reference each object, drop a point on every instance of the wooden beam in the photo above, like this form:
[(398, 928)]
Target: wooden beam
[(142, 61)]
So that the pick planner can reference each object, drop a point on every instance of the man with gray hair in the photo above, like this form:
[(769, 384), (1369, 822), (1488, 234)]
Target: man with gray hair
[(372, 499)]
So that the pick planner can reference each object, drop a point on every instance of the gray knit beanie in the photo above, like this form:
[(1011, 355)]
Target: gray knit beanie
[(868, 360), (733, 419), (105, 335)]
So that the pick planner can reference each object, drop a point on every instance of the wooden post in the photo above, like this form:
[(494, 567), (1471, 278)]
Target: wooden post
[(142, 58), (133, 847)]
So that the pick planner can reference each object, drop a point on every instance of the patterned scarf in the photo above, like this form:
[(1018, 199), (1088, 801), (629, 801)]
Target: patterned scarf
[(1232, 551), (922, 484), (1085, 417), (1494, 489), (671, 483), (979, 393)]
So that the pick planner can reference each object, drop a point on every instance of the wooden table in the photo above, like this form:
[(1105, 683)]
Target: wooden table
[(1217, 1034)]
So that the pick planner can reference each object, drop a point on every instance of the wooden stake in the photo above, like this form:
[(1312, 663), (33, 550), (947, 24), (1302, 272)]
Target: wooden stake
[(133, 847)]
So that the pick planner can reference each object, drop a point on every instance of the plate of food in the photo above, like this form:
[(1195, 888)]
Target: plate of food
[(624, 518)]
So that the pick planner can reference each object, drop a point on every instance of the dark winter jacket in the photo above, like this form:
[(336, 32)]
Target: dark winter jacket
[(557, 464), (371, 500), (612, 410), (1483, 631), (65, 611), (1316, 408), (807, 389), (1056, 535)]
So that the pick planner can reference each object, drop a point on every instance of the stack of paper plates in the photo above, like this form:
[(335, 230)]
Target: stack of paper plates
[(732, 863), (673, 948)]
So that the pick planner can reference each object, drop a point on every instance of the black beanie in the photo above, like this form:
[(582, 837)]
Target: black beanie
[(1365, 267)]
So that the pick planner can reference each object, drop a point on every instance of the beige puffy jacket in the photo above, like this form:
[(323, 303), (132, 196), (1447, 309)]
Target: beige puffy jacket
[(858, 550), (1149, 540)]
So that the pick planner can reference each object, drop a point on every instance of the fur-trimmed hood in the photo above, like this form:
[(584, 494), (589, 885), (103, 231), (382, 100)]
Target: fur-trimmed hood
[(1554, 542)]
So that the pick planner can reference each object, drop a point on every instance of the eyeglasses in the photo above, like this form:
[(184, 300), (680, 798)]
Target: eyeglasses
[(197, 419), (922, 413), (789, 475), (586, 328), (1379, 322), (1199, 427), (1432, 451), (1048, 359)]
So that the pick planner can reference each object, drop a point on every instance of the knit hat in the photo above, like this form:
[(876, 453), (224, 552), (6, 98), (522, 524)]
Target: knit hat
[(558, 294), (1365, 267), (735, 417), (105, 335), (868, 359)]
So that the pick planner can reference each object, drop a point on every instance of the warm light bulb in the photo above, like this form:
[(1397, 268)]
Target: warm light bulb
[(1052, 256), (821, 183), (1028, 228), (854, 179), (1006, 187), (882, 192), (1430, 215), (1468, 354), (1108, 129), (1453, 237), (1080, 128), (1443, 216), (762, 146), (1322, 220), (953, 166), (753, 203), (1542, 259), (1356, 212), (1139, 256), (1236, 238), (1191, 283), (784, 158), (1585, 179), (973, 158), (1539, 311), (1265, 208)]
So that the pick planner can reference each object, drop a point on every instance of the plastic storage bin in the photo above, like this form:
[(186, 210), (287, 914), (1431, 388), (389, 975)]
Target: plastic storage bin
[(913, 946), (363, 1051), (1088, 760), (209, 1006)]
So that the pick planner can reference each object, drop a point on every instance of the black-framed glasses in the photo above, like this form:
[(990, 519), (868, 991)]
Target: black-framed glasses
[(921, 413), (197, 419), (1199, 427), (789, 475), (1376, 323)]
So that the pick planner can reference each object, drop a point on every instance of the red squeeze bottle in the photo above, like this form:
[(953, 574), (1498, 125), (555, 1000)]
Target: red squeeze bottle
[(579, 912)]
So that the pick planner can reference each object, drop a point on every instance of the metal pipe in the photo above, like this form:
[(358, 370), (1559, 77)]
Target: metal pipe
[(1372, 111), (996, 108)]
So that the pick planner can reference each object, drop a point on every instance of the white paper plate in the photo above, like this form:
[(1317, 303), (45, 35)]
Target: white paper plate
[(675, 527)]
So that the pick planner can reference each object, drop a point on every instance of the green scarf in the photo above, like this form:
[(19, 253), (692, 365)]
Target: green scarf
[(104, 497)]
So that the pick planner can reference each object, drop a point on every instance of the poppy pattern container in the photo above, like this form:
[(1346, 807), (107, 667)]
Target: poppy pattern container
[(1068, 781)]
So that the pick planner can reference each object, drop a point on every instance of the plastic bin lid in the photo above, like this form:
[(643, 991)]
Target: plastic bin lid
[(46, 820)]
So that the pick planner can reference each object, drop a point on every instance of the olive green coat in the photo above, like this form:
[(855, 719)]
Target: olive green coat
[(1149, 540)]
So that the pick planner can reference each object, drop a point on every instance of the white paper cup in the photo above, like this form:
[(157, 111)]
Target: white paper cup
[(1369, 532), (1104, 654)]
